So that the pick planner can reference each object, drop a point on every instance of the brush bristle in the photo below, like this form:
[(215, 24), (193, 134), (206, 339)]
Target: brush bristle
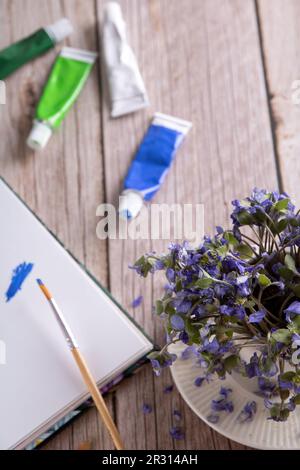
[(44, 289)]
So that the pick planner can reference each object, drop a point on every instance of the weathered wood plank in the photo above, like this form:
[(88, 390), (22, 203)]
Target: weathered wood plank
[(200, 61), (279, 23), (63, 184)]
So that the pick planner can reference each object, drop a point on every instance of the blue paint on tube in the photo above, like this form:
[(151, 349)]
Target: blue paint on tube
[(19, 275), (151, 162)]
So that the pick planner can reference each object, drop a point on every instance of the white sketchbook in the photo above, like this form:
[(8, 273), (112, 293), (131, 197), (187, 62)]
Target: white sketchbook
[(39, 381)]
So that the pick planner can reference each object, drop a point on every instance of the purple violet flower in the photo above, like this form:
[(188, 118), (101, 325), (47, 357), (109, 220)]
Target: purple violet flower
[(210, 346), (257, 317), (292, 310), (184, 337), (225, 392), (147, 409), (170, 274), (266, 387), (248, 412), (220, 291), (222, 405), (137, 302), (177, 433), (155, 366), (252, 369), (159, 265), (199, 381), (177, 415), (177, 322), (188, 352), (213, 418)]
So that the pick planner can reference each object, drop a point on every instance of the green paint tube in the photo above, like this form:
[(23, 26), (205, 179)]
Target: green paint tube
[(33, 46), (69, 73)]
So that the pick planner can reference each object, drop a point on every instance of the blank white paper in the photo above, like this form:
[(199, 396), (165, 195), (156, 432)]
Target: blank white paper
[(40, 378)]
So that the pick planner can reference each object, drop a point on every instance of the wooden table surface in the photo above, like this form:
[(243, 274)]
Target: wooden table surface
[(226, 65)]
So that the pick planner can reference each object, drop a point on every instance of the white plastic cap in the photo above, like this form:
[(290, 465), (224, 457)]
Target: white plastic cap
[(130, 204), (112, 10), (59, 30), (39, 136)]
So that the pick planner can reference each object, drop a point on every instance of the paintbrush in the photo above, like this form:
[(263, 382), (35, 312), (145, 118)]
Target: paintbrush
[(86, 374)]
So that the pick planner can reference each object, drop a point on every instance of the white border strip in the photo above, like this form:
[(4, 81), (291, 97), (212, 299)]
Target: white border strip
[(179, 125), (79, 54)]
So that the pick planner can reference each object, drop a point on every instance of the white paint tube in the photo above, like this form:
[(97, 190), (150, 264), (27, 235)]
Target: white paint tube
[(126, 87)]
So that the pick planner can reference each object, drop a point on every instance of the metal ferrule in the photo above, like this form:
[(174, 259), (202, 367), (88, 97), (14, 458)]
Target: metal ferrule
[(63, 325)]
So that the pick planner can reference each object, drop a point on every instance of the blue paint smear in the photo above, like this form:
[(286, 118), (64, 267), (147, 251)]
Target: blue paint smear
[(18, 277)]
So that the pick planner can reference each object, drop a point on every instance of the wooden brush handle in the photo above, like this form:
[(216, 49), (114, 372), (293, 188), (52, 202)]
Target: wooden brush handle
[(98, 399)]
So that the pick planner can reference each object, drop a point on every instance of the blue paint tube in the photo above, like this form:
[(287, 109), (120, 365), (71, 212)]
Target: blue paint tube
[(151, 163)]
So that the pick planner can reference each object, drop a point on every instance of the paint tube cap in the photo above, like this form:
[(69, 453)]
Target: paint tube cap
[(59, 30), (39, 136), (130, 204)]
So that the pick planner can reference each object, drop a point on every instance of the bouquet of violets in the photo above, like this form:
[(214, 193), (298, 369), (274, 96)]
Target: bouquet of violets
[(238, 289)]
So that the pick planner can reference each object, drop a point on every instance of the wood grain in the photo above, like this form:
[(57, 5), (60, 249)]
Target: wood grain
[(280, 39), (202, 61), (64, 183)]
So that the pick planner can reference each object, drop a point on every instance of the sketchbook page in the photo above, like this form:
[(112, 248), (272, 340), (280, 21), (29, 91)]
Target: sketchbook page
[(40, 377)]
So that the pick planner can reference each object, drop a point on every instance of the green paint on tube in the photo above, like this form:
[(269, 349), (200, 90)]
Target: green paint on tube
[(67, 78), (33, 46)]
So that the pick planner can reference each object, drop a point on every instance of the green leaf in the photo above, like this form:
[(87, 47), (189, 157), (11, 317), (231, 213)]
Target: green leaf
[(294, 222), (191, 329), (296, 399), (288, 376), (145, 265), (211, 308), (249, 304), (281, 225), (282, 336), (297, 378), (274, 411), (154, 355), (245, 218), (159, 307), (286, 273), (203, 283), (296, 289), (284, 414), (282, 204), (268, 364), (178, 285), (231, 362), (222, 250), (229, 333), (169, 309), (263, 280), (296, 323), (244, 250), (230, 238), (290, 263)]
